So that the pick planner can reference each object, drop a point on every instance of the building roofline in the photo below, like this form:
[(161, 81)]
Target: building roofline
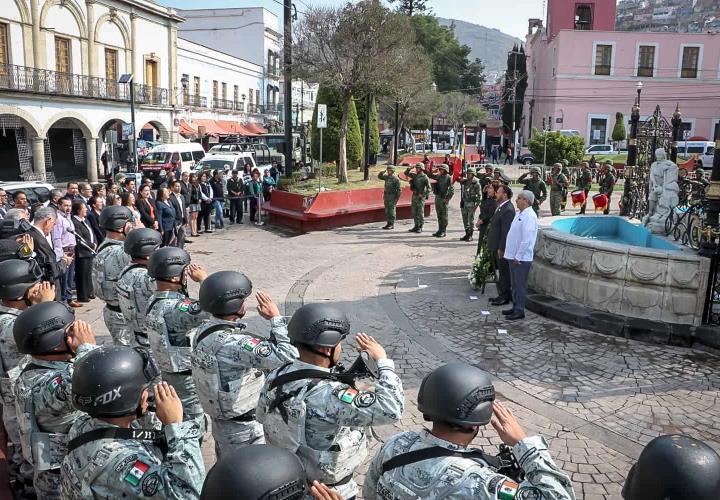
[(157, 9), (228, 8), (653, 33)]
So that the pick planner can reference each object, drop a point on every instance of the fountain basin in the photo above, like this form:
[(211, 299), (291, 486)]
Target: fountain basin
[(607, 264)]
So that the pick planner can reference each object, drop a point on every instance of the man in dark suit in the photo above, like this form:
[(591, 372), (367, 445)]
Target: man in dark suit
[(96, 205), (53, 269), (84, 250), (178, 202), (497, 234)]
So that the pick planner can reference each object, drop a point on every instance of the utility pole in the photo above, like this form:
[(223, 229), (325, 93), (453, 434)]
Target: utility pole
[(396, 133), (366, 173), (287, 75)]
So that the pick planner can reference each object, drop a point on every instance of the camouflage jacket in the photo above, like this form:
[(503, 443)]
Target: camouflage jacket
[(9, 355), (419, 183), (584, 180), (538, 188), (443, 188), (471, 191), (134, 289), (107, 265), (607, 184), (558, 182), (392, 186)]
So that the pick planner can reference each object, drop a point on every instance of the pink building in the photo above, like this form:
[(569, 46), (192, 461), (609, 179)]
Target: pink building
[(581, 73)]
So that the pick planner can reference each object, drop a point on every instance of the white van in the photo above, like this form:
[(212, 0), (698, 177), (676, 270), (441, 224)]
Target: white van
[(229, 162), (166, 158), (704, 150)]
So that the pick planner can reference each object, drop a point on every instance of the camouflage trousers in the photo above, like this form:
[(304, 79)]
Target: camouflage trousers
[(555, 200), (468, 217), (441, 207), (390, 212), (19, 469), (47, 485), (417, 208), (115, 323), (230, 434), (185, 387)]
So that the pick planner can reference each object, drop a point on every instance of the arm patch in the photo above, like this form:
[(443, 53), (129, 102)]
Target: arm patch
[(189, 306)]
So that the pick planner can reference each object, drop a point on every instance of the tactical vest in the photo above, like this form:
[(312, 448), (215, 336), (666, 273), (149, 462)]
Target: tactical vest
[(45, 450), (170, 358), (103, 284), (6, 392), (225, 401), (128, 305), (287, 416)]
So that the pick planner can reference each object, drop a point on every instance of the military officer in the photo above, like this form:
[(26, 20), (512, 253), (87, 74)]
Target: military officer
[(584, 182), (107, 265), (228, 362), (51, 335), (108, 455), (304, 407), (471, 195), (391, 195), (134, 285), (536, 185), (171, 315), (558, 182), (438, 463), (20, 287), (674, 467), (607, 183), (420, 187), (443, 190)]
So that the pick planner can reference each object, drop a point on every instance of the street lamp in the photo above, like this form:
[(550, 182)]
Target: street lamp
[(639, 87), (432, 119), (128, 79)]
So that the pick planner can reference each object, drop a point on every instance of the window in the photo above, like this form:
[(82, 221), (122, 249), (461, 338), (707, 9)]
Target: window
[(583, 17), (196, 87), (62, 55), (257, 97), (598, 130), (4, 53), (215, 91), (690, 59), (603, 60), (198, 155), (151, 73), (111, 64), (186, 156), (224, 91), (250, 97), (236, 91), (646, 61)]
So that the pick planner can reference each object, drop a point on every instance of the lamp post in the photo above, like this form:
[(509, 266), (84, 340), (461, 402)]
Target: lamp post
[(366, 141), (432, 121), (676, 124), (639, 87), (396, 132), (709, 235), (128, 79), (632, 150)]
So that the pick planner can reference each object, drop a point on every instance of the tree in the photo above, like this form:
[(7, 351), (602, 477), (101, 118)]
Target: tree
[(354, 50), (458, 109), (374, 130), (412, 7), (473, 78), (618, 133), (331, 143), (559, 147), (515, 86)]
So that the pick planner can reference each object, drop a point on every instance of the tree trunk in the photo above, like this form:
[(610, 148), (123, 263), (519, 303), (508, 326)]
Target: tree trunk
[(342, 164)]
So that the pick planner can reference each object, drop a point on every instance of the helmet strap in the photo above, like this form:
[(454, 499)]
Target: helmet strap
[(330, 357)]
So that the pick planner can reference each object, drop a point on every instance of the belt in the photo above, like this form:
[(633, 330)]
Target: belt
[(184, 372), (245, 417), (113, 308), (343, 481), (141, 334)]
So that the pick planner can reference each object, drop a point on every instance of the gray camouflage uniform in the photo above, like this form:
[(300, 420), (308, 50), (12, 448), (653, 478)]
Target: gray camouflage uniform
[(134, 289), (323, 421), (170, 318), (45, 413), (461, 478), (107, 265), (125, 468), (227, 368)]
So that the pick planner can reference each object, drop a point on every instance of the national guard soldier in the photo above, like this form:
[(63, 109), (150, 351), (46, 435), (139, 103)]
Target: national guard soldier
[(391, 194), (108, 455), (50, 334), (558, 183), (443, 190), (536, 185), (420, 187), (674, 467), (438, 463), (227, 361), (306, 409), (584, 182), (471, 195), (607, 183), (107, 265), (134, 285), (565, 170), (171, 315)]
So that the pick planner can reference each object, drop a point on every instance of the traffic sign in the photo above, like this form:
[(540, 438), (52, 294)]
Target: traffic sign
[(322, 116)]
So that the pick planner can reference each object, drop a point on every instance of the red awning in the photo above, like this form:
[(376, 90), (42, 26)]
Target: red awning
[(186, 129), (236, 128), (255, 128), (211, 127)]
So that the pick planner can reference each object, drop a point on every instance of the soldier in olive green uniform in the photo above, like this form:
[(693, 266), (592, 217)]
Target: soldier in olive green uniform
[(471, 196), (391, 194), (607, 183), (420, 187), (558, 182), (536, 185), (499, 175), (443, 190), (566, 172), (584, 182)]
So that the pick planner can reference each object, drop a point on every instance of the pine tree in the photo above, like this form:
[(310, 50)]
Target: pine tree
[(412, 7), (374, 129), (331, 150), (515, 83)]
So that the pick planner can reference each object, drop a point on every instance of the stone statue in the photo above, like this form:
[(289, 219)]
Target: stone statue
[(662, 192)]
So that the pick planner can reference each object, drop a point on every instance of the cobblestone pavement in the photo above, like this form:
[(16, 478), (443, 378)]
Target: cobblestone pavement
[(596, 399)]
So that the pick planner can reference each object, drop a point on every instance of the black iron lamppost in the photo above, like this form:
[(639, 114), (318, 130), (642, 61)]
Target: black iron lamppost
[(676, 123), (632, 151), (709, 236)]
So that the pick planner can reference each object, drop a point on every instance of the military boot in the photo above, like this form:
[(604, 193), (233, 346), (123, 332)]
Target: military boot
[(470, 235), (386, 226), (413, 230), (466, 237)]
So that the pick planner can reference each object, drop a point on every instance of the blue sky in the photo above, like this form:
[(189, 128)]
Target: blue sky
[(509, 16)]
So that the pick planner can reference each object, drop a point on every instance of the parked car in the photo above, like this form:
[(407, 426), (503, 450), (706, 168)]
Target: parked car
[(169, 157), (601, 149), (227, 162), (36, 192), (703, 150), (526, 158), (569, 132)]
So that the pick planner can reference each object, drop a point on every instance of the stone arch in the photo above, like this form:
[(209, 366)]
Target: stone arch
[(76, 118), (159, 126), (30, 122), (74, 9), (24, 13), (117, 21)]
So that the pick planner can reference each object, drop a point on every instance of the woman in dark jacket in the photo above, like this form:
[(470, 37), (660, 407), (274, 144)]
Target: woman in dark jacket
[(194, 203), (96, 204), (146, 206), (165, 216), (86, 245), (487, 210), (206, 199)]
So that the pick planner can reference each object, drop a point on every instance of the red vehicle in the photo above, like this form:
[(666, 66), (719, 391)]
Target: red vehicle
[(170, 158)]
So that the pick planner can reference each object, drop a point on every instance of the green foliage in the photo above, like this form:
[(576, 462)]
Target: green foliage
[(559, 147), (374, 128), (355, 150), (618, 133), (331, 135), (412, 7), (515, 77)]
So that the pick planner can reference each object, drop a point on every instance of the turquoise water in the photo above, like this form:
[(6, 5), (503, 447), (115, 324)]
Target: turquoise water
[(613, 229)]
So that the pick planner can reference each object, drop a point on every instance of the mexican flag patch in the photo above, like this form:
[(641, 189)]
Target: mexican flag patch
[(251, 344), (348, 395), (54, 384), (138, 470), (185, 305), (507, 490)]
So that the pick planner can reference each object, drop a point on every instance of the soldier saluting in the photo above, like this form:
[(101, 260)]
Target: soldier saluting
[(444, 191), (471, 195), (420, 187), (391, 195), (536, 185)]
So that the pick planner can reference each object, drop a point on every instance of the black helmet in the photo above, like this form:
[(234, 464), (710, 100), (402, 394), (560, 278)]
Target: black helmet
[(261, 472), (114, 217), (223, 293), (458, 394), (109, 380), (142, 242), (321, 325), (674, 467), (17, 276), (168, 262), (41, 328), (9, 249)]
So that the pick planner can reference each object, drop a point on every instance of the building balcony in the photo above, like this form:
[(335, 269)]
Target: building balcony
[(222, 104), (267, 109), (273, 73), (43, 81), (252, 108), (240, 106), (195, 101)]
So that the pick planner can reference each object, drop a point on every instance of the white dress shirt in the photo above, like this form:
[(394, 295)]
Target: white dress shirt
[(520, 241)]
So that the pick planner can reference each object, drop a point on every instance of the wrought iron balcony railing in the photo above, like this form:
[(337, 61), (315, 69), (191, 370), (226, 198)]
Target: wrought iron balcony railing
[(222, 104), (197, 101)]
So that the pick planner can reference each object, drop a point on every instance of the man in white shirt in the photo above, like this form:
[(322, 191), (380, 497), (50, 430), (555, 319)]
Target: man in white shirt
[(519, 252)]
